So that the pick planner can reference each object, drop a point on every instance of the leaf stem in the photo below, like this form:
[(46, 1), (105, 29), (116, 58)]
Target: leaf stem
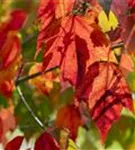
[(28, 107)]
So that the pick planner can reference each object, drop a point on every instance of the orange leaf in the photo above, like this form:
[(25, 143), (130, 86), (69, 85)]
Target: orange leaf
[(9, 62), (51, 9), (131, 3), (46, 142), (72, 40), (70, 118), (126, 63), (8, 121), (43, 83), (48, 12)]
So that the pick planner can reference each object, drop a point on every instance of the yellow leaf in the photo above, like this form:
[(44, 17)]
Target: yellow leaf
[(107, 23), (71, 145)]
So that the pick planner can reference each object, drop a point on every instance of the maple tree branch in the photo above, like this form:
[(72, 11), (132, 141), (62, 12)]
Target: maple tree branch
[(29, 108), (26, 78), (118, 45), (19, 71), (24, 100)]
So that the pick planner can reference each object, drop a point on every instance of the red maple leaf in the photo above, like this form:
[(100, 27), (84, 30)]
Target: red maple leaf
[(46, 142), (73, 43), (125, 12), (106, 92), (14, 23), (54, 9), (10, 50), (131, 4), (15, 143), (50, 10)]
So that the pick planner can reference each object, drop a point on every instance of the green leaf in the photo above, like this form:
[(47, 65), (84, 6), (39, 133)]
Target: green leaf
[(131, 81), (67, 96), (3, 102), (45, 109), (122, 131), (39, 57)]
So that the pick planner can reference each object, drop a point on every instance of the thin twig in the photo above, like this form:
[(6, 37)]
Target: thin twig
[(28, 107), (118, 45), (29, 38), (20, 70), (22, 79), (26, 78)]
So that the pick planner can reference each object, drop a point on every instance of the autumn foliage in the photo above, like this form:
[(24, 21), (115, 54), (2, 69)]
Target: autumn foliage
[(84, 54), (10, 53)]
